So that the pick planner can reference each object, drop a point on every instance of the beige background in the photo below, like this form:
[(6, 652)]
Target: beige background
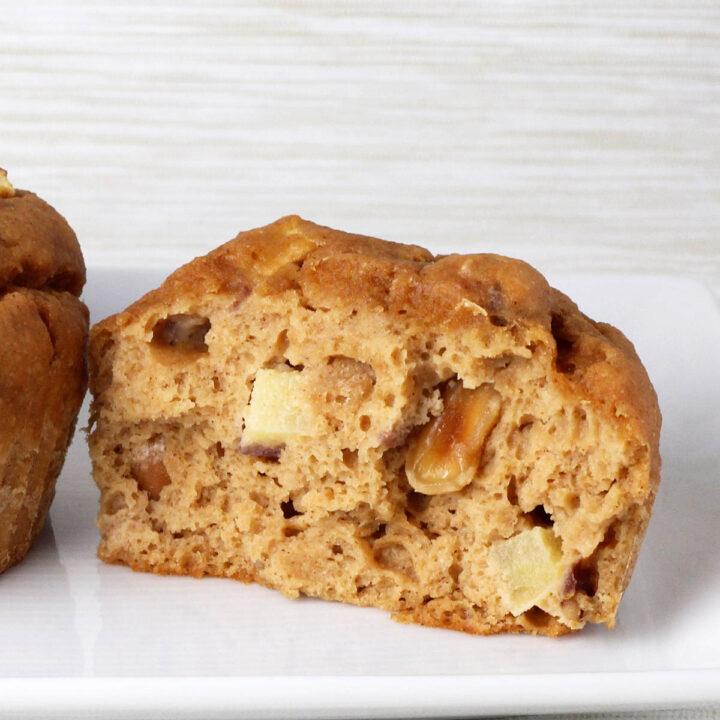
[(574, 135)]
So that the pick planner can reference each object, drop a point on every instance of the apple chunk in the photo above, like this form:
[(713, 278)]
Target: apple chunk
[(278, 410), (529, 566)]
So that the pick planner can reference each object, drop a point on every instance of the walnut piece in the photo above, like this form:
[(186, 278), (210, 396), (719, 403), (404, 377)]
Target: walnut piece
[(529, 566), (445, 456), (149, 470), (185, 332), (6, 188)]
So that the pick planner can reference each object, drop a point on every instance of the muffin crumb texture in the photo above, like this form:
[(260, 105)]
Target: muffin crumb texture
[(337, 416)]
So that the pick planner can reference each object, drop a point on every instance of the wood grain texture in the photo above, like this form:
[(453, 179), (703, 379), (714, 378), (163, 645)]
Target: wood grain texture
[(575, 135)]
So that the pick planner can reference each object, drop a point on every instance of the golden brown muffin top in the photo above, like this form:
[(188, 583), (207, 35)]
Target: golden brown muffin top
[(38, 249), (330, 267)]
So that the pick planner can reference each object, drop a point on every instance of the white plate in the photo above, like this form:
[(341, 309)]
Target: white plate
[(80, 637)]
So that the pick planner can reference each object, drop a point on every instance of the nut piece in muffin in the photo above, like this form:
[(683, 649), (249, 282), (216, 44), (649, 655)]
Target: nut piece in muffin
[(43, 374), (334, 415)]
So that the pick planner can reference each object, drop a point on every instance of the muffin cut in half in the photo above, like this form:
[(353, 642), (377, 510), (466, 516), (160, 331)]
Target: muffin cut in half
[(338, 416), (43, 373)]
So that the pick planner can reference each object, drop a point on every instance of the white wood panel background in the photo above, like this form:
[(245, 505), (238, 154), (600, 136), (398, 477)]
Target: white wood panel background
[(577, 135), (574, 134)]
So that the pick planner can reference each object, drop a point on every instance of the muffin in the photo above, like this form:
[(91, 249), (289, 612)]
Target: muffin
[(43, 375), (337, 416)]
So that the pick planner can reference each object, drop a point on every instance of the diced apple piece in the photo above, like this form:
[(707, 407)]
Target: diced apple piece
[(278, 410), (529, 566)]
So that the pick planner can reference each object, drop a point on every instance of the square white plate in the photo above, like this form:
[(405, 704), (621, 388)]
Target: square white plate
[(81, 638)]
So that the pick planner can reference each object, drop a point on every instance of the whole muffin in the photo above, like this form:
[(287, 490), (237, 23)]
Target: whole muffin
[(43, 370)]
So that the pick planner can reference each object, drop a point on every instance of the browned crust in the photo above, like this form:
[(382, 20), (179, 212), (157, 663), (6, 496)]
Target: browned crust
[(340, 265), (337, 266), (331, 268), (43, 372), (38, 249), (609, 371), (170, 567), (42, 385), (449, 614)]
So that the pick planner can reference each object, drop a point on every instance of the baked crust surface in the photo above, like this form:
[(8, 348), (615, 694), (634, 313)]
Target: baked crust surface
[(38, 249), (43, 373), (576, 447)]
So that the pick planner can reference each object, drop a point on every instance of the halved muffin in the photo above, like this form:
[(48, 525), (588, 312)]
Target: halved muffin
[(333, 415)]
